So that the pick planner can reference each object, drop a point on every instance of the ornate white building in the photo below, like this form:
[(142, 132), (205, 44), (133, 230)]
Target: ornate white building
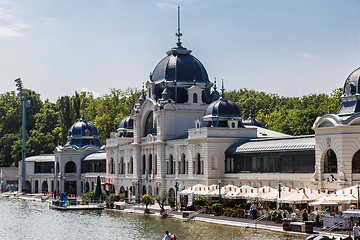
[(184, 132)]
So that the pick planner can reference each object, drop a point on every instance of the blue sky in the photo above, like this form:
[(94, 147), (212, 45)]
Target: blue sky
[(291, 48)]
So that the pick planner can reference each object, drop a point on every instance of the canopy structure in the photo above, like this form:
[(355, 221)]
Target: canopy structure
[(267, 194), (351, 213), (323, 201), (230, 191), (300, 196), (198, 189)]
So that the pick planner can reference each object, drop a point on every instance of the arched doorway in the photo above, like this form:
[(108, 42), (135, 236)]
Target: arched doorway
[(356, 162), (172, 194), (44, 186), (144, 190), (27, 187), (70, 187), (87, 187)]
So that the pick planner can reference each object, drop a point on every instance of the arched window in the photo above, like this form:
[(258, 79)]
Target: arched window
[(143, 164), (195, 98), (330, 162), (150, 164), (155, 164), (356, 162), (131, 170), (149, 124), (171, 164), (70, 167), (111, 166), (198, 163), (182, 164), (121, 166)]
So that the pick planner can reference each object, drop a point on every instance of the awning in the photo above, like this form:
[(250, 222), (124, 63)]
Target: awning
[(351, 213)]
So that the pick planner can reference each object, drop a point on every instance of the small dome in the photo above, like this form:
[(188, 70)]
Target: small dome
[(350, 100), (83, 133), (126, 127), (126, 123), (223, 108), (83, 128), (252, 121)]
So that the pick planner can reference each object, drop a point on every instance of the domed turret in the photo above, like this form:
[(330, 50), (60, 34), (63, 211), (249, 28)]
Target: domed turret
[(222, 111), (177, 72), (252, 121), (126, 127), (83, 133), (351, 94)]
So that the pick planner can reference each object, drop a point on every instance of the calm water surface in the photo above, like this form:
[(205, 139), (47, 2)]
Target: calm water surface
[(34, 220)]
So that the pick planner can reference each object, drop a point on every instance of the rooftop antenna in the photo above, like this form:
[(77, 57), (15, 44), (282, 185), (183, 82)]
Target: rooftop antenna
[(178, 34)]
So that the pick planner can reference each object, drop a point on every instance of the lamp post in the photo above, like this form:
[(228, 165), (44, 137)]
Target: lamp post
[(176, 190), (219, 182), (358, 186), (279, 182), (138, 192), (21, 94)]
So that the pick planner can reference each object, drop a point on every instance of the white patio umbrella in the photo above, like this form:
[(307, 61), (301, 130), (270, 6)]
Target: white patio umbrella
[(300, 196), (268, 194)]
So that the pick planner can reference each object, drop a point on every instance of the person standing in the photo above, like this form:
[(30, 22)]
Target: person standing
[(305, 216), (317, 217), (174, 237), (167, 236), (254, 211), (356, 232)]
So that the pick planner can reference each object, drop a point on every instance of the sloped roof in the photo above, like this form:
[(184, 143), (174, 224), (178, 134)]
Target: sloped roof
[(274, 145), (95, 156)]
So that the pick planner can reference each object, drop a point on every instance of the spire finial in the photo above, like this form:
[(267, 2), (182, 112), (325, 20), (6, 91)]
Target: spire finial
[(194, 81), (222, 89), (82, 113), (251, 114), (329, 111), (215, 84), (178, 34), (321, 112)]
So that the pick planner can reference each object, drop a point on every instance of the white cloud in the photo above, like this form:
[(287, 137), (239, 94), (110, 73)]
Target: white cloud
[(306, 55), (95, 94), (166, 5), (11, 24)]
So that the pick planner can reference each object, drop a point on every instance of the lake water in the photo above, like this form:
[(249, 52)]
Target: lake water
[(34, 220)]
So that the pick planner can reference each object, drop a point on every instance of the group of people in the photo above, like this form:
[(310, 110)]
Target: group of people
[(168, 236)]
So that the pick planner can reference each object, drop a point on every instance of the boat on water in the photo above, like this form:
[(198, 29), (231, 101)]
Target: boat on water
[(68, 205)]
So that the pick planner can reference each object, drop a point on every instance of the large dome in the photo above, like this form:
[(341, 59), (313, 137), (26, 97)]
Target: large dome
[(83, 133), (180, 66), (351, 94)]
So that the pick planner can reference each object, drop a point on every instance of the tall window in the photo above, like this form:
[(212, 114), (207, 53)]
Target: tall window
[(171, 164), (198, 163), (195, 100), (131, 170), (143, 164), (330, 162), (182, 165), (121, 166), (149, 124), (150, 164), (356, 162)]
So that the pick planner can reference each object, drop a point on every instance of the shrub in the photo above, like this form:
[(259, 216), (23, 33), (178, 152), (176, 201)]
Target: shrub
[(199, 200), (217, 207), (172, 203), (87, 197), (161, 198), (110, 200)]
